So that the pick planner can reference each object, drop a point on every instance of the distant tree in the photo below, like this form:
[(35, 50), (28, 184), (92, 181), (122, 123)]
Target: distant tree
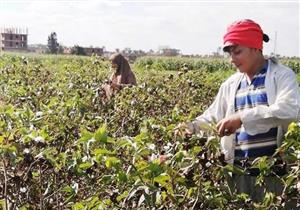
[(77, 50), (60, 49), (151, 52), (52, 44), (126, 51)]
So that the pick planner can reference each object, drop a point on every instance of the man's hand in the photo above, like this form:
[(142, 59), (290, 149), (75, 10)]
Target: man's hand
[(182, 129), (229, 125), (114, 86)]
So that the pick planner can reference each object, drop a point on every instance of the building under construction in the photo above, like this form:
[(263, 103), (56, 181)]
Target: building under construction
[(13, 39)]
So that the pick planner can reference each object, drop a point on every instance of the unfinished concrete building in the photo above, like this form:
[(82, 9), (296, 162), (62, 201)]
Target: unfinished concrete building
[(13, 39)]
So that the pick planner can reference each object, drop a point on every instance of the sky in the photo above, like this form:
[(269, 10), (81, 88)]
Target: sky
[(193, 26)]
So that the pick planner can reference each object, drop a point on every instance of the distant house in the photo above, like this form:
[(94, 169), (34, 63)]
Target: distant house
[(37, 48), (169, 52), (88, 51), (67, 50), (13, 39), (93, 50)]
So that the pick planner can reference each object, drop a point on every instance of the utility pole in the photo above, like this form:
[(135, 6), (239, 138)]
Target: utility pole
[(275, 40)]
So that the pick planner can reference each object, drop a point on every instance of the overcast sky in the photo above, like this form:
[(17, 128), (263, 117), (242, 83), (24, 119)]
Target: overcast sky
[(193, 26)]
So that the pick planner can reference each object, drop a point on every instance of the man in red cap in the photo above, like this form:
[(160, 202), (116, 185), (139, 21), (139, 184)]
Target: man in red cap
[(253, 107)]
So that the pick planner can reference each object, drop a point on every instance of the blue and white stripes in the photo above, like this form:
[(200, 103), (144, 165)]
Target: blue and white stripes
[(251, 95)]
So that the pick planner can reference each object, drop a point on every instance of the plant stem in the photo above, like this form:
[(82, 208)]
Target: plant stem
[(5, 184), (41, 189)]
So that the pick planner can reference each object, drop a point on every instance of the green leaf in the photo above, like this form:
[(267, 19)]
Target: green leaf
[(9, 109), (102, 152), (7, 148), (179, 156), (268, 199), (191, 191), (94, 203), (155, 169), (78, 206), (141, 165), (289, 180), (164, 195), (122, 196), (101, 134), (111, 162), (158, 198), (123, 143), (68, 189), (234, 169), (196, 150), (85, 137), (2, 204), (162, 179), (122, 177), (142, 137), (85, 165), (106, 178)]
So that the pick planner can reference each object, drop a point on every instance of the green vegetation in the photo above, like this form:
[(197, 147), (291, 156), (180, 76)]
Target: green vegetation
[(175, 64), (63, 146)]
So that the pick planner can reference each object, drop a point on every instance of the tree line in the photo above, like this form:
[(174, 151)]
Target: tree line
[(53, 47)]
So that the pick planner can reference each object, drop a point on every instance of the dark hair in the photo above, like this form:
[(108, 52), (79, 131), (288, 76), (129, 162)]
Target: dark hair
[(266, 38)]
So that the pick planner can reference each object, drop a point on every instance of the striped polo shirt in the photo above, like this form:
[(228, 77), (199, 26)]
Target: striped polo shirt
[(247, 97)]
